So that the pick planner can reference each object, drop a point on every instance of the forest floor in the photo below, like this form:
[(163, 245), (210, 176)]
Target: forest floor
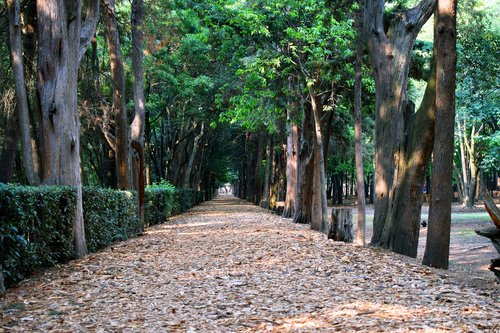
[(229, 266)]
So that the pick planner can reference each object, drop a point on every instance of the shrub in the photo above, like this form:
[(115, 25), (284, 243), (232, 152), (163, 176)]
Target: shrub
[(109, 216), (158, 205), (35, 228)]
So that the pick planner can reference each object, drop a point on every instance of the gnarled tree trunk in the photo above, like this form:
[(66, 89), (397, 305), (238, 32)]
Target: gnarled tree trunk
[(62, 43), (390, 55)]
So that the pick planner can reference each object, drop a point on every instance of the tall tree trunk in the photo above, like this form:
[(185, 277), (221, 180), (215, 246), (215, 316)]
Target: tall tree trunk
[(62, 42), (122, 152), (258, 167), (16, 53), (292, 143), (402, 228), (264, 202), (319, 211), (358, 144), (137, 126), (304, 183), (437, 247), (390, 55)]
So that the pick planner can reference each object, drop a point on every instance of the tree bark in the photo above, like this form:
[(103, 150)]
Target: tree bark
[(304, 183), (390, 56), (11, 138), (340, 228), (437, 247), (61, 43), (137, 126), (122, 148), (16, 53), (264, 202), (292, 143), (319, 209), (358, 144)]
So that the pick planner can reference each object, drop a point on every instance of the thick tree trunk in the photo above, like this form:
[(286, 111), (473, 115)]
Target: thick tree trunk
[(16, 53), (340, 226), (390, 54), (122, 152), (437, 247), (62, 42)]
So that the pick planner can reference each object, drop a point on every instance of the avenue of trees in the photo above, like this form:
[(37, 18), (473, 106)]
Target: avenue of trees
[(309, 103)]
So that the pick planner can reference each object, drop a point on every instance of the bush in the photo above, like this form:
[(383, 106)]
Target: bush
[(36, 222), (109, 216), (35, 228)]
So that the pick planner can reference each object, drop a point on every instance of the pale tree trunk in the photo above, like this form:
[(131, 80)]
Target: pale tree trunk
[(122, 148), (437, 247), (470, 171), (16, 53), (319, 209), (62, 43), (358, 144), (390, 55), (137, 126), (292, 143)]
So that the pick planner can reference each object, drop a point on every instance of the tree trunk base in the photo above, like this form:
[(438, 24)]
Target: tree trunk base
[(340, 226)]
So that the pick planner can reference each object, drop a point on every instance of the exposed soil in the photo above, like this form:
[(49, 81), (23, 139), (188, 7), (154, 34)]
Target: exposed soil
[(228, 266)]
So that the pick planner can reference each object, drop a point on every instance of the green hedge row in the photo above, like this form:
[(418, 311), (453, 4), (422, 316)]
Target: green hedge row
[(36, 222)]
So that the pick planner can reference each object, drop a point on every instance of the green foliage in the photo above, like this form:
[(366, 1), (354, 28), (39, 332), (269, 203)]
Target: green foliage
[(159, 203), (110, 216), (35, 228)]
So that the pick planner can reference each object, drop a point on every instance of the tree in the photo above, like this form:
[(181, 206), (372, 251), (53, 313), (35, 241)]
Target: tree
[(360, 182), (137, 126), (437, 247), (62, 41), (120, 142), (390, 56), (16, 51)]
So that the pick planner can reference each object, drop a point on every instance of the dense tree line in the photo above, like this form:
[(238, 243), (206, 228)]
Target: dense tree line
[(303, 102)]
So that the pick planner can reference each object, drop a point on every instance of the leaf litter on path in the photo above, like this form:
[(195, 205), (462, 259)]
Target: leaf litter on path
[(228, 266)]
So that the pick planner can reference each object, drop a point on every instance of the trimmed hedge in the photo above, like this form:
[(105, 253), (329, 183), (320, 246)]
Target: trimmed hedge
[(109, 216), (35, 228), (36, 222)]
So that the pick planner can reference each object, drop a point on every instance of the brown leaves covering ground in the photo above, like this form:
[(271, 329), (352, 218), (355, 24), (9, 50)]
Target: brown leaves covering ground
[(228, 266)]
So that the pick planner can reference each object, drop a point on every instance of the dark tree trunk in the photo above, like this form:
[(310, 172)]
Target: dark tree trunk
[(16, 53), (390, 54), (122, 148), (304, 181), (9, 151), (437, 247)]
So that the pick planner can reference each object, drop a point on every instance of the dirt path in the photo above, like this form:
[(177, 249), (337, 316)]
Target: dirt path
[(228, 266)]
